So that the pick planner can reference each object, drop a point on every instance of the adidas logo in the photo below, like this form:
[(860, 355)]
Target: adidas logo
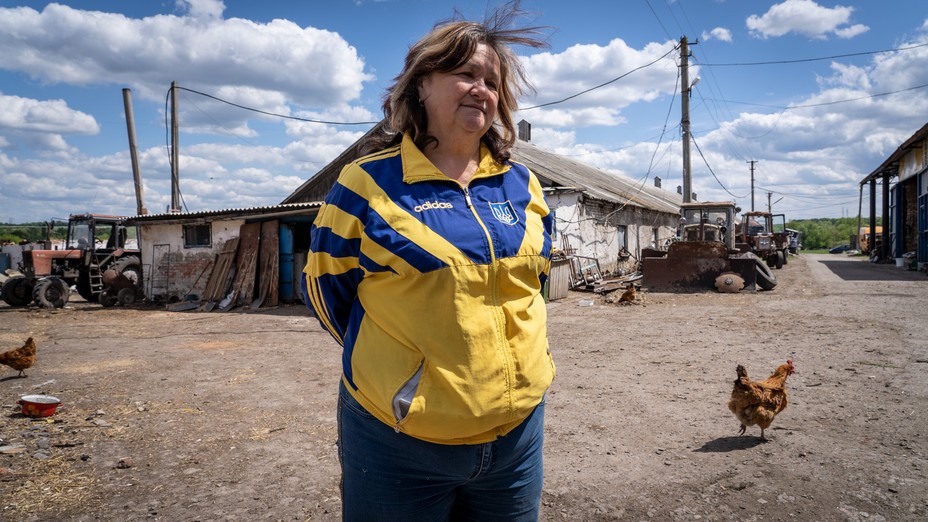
[(432, 205)]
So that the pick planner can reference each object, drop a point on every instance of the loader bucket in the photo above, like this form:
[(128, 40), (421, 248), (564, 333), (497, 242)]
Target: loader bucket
[(694, 266)]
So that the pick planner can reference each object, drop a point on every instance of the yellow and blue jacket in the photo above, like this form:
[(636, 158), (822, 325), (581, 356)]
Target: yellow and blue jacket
[(434, 292)]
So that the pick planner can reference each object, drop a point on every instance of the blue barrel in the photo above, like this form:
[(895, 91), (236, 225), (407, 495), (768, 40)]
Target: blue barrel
[(4, 262), (286, 263)]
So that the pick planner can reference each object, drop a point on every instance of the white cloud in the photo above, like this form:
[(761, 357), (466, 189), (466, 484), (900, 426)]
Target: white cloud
[(847, 76), (203, 9), (44, 188), (553, 140), (344, 113), (309, 66), (902, 70), (567, 117), (812, 155), (804, 17), (719, 33), (51, 116), (559, 76), (852, 31)]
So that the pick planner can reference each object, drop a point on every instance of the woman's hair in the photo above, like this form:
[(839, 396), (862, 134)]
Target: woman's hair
[(446, 47)]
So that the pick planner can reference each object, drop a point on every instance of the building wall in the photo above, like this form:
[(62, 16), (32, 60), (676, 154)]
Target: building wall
[(595, 228), (913, 163), (910, 219), (171, 271)]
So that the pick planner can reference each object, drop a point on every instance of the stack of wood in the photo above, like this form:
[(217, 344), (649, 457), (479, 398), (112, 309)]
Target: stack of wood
[(246, 271)]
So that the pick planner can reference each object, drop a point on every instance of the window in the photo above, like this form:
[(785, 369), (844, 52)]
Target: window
[(621, 232), (197, 236)]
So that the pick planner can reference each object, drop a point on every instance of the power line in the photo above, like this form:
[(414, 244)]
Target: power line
[(615, 149), (657, 146), (600, 85), (816, 197), (713, 172), (780, 62), (836, 102), (266, 113), (548, 104), (658, 19)]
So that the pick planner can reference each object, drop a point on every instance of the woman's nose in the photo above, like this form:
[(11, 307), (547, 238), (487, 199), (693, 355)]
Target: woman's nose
[(479, 87)]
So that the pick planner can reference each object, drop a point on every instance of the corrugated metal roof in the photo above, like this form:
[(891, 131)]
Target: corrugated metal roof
[(227, 213), (594, 182)]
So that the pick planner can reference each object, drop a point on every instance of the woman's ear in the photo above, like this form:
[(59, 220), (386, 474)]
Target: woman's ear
[(422, 90)]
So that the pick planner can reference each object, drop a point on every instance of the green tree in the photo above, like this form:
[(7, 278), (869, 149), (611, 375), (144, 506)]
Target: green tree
[(822, 233)]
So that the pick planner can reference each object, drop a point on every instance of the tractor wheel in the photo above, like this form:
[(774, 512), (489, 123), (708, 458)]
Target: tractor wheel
[(129, 266), (779, 262), (51, 292), (765, 278), (785, 253), (17, 291), (107, 300), (126, 296), (83, 287)]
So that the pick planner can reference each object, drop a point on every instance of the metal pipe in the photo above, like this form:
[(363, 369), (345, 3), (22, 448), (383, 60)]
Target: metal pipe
[(133, 152)]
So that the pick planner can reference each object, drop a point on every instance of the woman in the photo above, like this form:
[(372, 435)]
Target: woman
[(427, 262)]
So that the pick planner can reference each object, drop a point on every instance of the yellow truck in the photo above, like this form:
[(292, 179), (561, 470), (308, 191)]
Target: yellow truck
[(864, 238)]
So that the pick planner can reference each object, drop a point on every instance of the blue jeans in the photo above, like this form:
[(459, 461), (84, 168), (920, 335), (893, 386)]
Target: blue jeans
[(392, 476)]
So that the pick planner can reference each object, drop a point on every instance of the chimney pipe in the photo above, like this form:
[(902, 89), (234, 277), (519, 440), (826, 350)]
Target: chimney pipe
[(525, 130)]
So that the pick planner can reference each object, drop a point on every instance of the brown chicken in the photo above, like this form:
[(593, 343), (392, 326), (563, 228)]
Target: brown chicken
[(629, 295), (758, 402), (20, 358)]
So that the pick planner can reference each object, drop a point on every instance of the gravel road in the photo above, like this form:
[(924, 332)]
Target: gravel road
[(231, 416)]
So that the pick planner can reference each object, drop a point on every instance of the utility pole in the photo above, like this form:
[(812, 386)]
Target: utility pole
[(685, 121), (752, 162), (133, 151), (769, 204), (175, 170)]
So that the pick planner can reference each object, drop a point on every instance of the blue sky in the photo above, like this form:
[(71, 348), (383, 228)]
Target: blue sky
[(818, 111)]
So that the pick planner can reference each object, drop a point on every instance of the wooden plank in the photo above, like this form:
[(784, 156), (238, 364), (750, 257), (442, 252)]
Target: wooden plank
[(269, 265), (246, 263), (218, 282), (299, 262)]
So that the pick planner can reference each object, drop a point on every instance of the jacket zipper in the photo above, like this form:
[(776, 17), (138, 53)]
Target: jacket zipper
[(494, 292)]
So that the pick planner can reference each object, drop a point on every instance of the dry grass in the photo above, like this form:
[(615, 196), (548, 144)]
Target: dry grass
[(51, 488)]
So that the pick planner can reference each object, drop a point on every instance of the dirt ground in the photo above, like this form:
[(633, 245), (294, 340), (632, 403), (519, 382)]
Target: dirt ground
[(183, 416)]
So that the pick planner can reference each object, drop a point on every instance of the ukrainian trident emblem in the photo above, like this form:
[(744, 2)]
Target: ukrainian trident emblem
[(504, 213)]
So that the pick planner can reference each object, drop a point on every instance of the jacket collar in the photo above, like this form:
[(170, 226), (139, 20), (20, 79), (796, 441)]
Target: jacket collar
[(416, 167)]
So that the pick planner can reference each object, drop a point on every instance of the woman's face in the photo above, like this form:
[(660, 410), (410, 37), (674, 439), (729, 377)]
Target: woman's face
[(463, 99)]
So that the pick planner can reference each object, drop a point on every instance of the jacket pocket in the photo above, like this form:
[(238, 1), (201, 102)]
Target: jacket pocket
[(403, 398)]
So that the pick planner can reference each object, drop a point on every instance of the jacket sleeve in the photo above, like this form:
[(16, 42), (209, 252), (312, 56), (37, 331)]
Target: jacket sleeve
[(547, 222), (333, 271)]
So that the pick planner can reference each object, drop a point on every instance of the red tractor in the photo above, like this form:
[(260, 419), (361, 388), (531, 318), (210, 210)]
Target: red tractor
[(99, 258), (765, 235)]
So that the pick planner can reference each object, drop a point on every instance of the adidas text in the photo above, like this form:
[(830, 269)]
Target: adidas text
[(432, 205)]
